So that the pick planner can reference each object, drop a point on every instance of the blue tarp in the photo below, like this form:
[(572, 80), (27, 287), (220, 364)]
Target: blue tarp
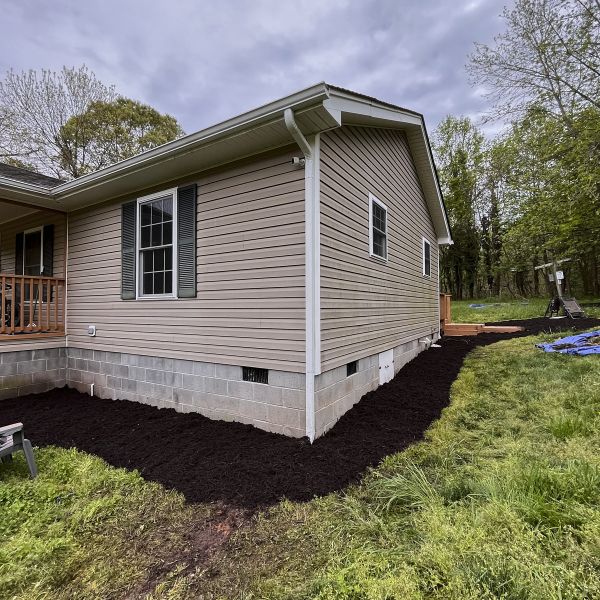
[(580, 344), (483, 305)]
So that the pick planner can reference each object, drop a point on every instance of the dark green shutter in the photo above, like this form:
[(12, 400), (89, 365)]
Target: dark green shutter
[(48, 252), (19, 239), (128, 234), (186, 241)]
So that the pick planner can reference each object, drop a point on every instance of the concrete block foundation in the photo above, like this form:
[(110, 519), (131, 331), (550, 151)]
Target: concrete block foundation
[(214, 390), (336, 392), (31, 371)]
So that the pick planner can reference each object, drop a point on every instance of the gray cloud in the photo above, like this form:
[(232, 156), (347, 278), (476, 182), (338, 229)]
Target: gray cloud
[(205, 62)]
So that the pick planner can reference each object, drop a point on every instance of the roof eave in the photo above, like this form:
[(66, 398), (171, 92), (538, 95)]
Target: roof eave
[(28, 194), (317, 108)]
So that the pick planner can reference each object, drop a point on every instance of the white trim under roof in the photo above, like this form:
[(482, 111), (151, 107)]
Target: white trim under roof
[(316, 109)]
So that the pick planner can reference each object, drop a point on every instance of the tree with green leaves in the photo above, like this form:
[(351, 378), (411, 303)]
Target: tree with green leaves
[(549, 55), (458, 146), (543, 72), (108, 132), (69, 123)]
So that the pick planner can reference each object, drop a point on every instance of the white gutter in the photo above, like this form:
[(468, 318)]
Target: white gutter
[(312, 267)]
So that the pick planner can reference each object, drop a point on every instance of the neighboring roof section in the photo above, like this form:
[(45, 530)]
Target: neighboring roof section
[(28, 176)]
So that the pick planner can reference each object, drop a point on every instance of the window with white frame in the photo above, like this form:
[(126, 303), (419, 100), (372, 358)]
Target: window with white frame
[(157, 219), (378, 227), (426, 258)]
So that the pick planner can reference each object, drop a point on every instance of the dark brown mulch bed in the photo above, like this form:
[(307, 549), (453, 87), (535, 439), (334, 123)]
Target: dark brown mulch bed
[(240, 465)]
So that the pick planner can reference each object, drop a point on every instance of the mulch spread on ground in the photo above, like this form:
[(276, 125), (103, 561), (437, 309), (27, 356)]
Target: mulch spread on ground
[(243, 466)]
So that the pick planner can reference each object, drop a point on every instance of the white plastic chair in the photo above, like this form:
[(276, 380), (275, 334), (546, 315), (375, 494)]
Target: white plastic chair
[(12, 440)]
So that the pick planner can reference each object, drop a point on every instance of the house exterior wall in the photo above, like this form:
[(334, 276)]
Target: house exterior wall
[(188, 354), (369, 306), (249, 309)]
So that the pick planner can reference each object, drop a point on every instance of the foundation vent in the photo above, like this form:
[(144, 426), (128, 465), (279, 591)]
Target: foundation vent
[(351, 368), (255, 375)]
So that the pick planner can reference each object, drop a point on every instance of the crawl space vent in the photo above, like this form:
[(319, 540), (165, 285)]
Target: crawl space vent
[(255, 375), (351, 368)]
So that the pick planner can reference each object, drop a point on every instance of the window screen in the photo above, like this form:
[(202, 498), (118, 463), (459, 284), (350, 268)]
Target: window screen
[(156, 246)]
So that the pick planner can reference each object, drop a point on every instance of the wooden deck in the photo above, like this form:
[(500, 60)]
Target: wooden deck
[(450, 329)]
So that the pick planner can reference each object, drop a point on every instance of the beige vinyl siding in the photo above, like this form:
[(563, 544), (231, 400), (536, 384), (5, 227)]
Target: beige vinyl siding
[(249, 309), (368, 306), (9, 231)]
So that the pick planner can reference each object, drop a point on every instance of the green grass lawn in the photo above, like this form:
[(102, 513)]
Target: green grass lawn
[(83, 529), (502, 500), (504, 310)]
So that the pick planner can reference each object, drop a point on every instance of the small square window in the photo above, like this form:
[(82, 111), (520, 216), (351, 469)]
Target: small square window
[(351, 368)]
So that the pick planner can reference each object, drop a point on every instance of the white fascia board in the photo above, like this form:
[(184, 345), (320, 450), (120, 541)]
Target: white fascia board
[(369, 108)]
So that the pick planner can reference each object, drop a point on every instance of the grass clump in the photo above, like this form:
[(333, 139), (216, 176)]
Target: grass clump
[(501, 310), (82, 529)]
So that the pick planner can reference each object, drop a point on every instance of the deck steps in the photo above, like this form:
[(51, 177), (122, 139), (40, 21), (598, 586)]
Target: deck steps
[(460, 329), (451, 329), (457, 329)]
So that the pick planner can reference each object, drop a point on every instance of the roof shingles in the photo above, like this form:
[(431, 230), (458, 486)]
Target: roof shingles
[(27, 176)]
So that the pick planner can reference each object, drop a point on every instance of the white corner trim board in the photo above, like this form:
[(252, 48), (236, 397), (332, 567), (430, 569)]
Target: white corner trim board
[(311, 151)]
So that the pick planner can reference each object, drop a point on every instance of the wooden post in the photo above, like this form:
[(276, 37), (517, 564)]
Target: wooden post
[(3, 309), (12, 306), (22, 304), (445, 310), (48, 290)]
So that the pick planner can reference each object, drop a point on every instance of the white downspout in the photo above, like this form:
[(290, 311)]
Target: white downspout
[(66, 279), (312, 265)]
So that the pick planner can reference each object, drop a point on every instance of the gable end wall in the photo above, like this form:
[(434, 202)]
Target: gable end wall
[(368, 306)]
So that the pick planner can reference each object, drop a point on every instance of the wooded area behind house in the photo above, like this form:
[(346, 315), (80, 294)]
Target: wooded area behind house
[(531, 194)]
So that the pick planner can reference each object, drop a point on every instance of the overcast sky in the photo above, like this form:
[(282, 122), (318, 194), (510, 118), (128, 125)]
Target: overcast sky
[(203, 62)]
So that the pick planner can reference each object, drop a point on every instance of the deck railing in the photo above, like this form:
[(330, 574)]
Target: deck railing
[(31, 304)]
